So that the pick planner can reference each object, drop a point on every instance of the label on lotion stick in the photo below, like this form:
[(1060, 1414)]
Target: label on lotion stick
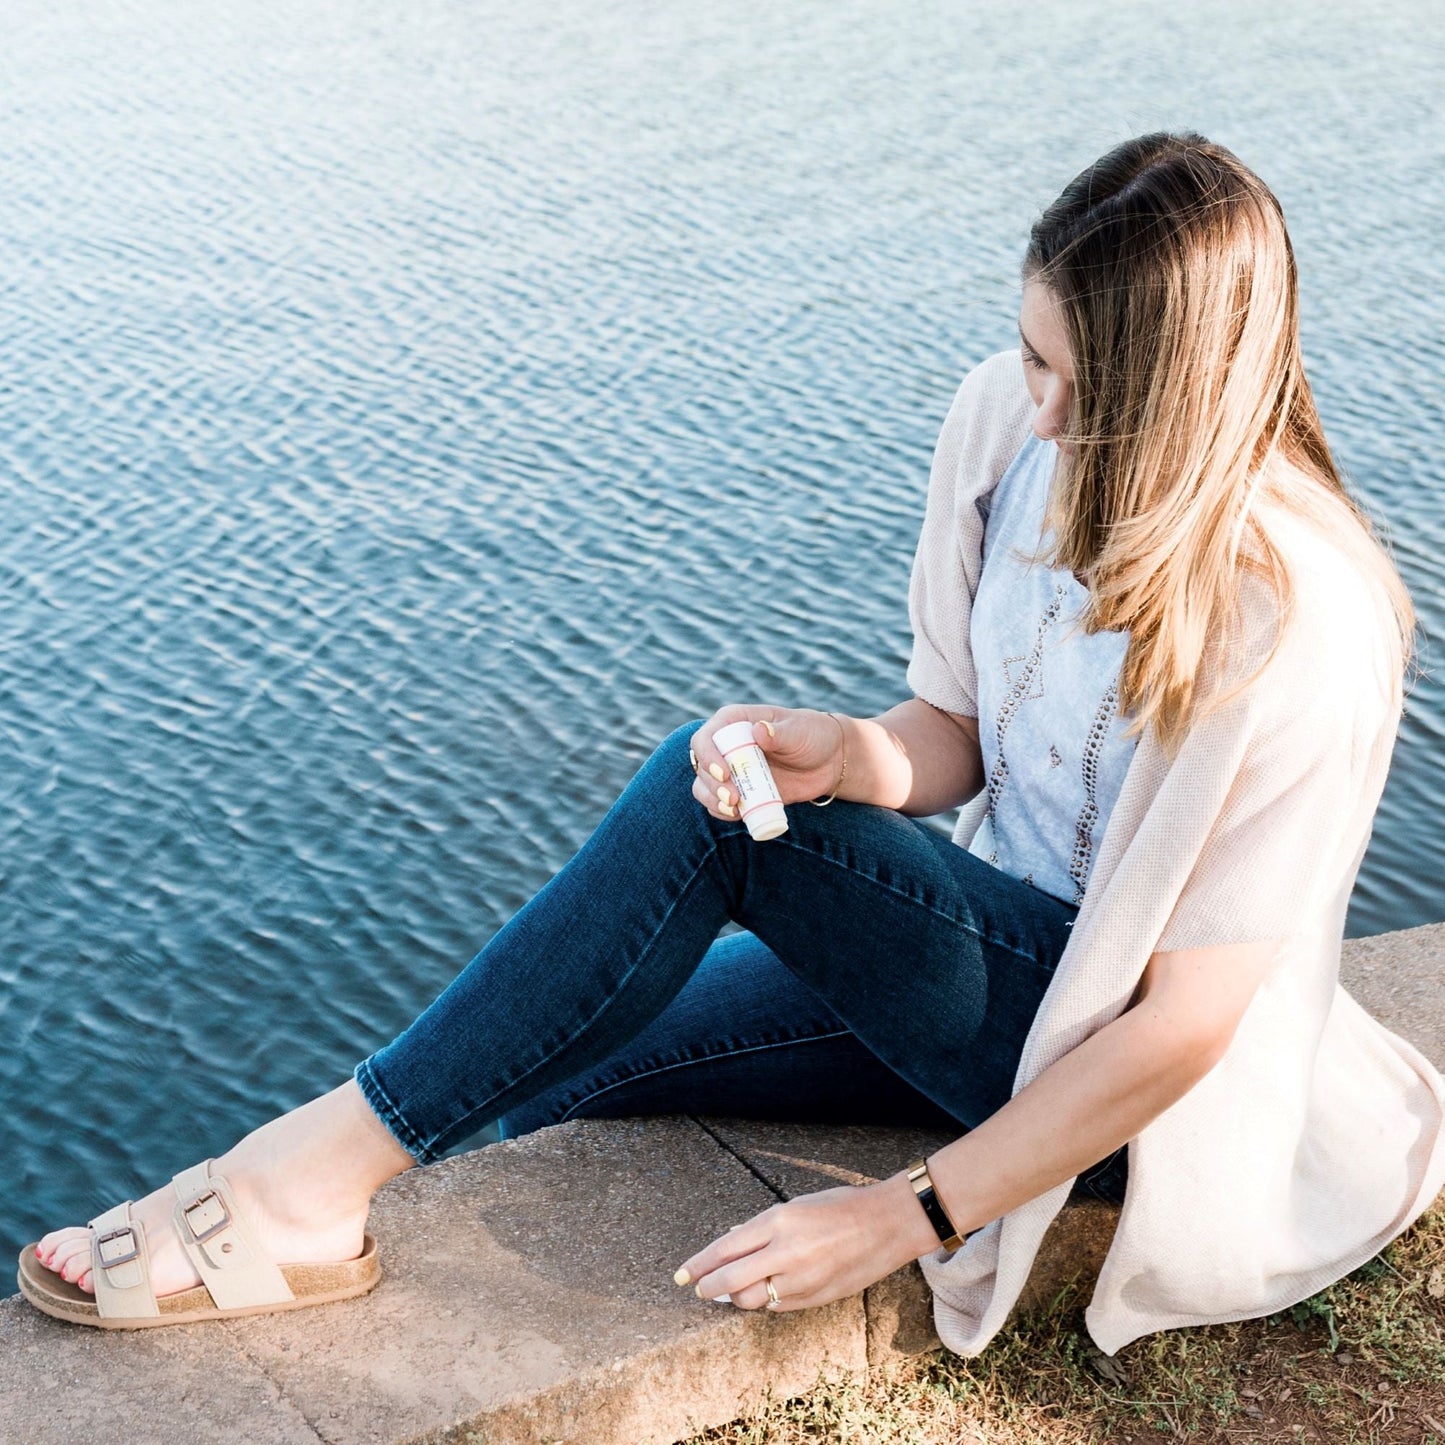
[(759, 804)]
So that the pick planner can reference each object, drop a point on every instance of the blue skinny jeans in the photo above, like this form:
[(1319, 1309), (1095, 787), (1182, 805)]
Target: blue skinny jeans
[(884, 976)]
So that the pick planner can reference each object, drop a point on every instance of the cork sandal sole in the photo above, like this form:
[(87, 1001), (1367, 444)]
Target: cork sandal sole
[(312, 1284)]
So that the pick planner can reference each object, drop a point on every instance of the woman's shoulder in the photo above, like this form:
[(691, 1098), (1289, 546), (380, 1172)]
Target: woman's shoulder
[(987, 423), (1335, 573), (1337, 640)]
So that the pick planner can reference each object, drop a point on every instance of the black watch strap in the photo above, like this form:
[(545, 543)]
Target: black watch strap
[(922, 1183)]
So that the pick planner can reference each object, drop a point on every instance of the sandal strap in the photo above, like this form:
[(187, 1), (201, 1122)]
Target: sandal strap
[(234, 1267), (120, 1265)]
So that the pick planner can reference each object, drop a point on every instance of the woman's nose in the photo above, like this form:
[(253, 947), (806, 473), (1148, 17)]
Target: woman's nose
[(1052, 417), (1048, 423)]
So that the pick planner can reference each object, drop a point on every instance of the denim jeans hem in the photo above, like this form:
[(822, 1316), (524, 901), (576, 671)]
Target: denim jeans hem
[(387, 1111)]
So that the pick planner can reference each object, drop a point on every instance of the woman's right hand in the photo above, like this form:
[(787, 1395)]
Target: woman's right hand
[(803, 747)]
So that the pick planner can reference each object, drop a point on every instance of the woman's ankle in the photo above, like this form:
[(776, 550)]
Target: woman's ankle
[(331, 1154)]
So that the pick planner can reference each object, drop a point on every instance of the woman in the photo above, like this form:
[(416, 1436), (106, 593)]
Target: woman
[(1161, 650)]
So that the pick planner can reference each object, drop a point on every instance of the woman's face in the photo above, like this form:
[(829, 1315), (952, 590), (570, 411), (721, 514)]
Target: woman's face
[(1046, 361)]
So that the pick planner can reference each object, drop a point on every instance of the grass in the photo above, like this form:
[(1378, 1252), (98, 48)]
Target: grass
[(1362, 1361)]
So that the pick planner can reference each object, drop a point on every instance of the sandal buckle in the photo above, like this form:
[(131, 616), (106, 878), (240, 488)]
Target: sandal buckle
[(203, 1203), (124, 1232)]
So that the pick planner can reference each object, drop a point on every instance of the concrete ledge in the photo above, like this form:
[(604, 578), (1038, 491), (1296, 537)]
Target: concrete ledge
[(528, 1297)]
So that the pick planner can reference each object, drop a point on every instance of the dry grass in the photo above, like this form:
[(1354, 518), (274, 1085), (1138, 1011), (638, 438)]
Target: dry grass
[(1363, 1361)]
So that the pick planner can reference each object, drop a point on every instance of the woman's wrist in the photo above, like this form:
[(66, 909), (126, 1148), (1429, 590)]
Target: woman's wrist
[(841, 758), (911, 758), (876, 770), (903, 1221)]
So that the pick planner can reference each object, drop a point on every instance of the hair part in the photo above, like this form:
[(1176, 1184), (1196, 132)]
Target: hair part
[(1175, 280)]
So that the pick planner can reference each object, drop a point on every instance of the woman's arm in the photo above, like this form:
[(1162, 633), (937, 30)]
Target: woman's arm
[(1086, 1104), (831, 1244), (915, 758)]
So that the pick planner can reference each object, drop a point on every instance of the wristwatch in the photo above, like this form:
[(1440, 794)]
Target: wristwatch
[(922, 1183)]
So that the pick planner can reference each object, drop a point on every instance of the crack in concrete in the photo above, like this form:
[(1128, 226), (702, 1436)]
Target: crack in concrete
[(282, 1395), (747, 1164)]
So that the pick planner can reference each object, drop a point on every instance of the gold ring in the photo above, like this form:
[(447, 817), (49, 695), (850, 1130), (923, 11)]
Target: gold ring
[(772, 1293)]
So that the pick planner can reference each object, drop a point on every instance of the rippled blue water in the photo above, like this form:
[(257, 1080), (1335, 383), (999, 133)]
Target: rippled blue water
[(378, 380)]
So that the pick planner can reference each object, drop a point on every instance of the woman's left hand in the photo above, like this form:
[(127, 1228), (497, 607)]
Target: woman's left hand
[(816, 1248)]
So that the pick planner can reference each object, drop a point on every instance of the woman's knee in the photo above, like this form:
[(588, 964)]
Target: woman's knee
[(677, 745), (670, 766), (665, 776)]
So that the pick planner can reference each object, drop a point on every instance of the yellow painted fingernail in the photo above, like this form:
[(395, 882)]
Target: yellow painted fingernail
[(682, 1277), (716, 771), (697, 1290), (725, 795), (772, 731)]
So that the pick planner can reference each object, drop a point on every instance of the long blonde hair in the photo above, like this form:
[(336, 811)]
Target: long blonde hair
[(1175, 280)]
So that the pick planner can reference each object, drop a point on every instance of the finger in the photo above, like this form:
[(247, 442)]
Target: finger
[(745, 1280), (790, 1301), (755, 1296), (741, 1239), (706, 793), (710, 762)]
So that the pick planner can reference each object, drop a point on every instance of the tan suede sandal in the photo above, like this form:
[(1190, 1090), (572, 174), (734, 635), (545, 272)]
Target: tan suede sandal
[(237, 1277)]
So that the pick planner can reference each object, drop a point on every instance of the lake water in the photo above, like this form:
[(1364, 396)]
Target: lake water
[(379, 383)]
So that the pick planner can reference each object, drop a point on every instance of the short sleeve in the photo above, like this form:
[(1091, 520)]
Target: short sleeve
[(1298, 809), (985, 427)]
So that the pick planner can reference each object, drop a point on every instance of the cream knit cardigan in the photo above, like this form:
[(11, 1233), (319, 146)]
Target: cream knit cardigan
[(1320, 1135)]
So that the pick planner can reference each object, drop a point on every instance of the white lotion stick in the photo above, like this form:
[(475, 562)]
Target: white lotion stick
[(759, 803)]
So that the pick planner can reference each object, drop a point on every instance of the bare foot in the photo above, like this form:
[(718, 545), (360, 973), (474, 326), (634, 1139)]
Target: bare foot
[(304, 1182)]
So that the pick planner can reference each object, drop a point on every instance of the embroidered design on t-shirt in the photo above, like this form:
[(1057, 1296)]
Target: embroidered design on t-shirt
[(1020, 691), (1010, 679), (1089, 815)]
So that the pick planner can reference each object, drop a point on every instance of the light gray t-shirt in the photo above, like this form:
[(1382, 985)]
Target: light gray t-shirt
[(1054, 758)]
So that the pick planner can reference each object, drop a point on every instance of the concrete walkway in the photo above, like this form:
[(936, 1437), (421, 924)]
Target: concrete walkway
[(528, 1295)]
